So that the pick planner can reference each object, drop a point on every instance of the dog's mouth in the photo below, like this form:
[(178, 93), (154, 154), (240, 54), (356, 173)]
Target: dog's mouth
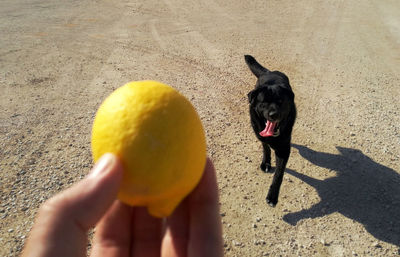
[(271, 129)]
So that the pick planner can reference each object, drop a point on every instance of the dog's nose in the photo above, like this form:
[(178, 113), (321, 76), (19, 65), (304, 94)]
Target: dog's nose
[(273, 114)]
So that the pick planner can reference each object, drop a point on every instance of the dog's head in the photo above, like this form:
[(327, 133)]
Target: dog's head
[(272, 98)]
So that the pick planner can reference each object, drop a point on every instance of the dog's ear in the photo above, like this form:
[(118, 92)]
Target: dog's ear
[(290, 94), (254, 66), (252, 94)]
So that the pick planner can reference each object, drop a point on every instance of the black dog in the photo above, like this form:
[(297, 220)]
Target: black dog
[(272, 114)]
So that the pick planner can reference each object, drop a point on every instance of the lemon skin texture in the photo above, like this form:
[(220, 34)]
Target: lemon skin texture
[(158, 136)]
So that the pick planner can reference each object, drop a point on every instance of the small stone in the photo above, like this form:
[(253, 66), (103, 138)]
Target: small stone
[(323, 242), (236, 243), (10, 230), (258, 219), (376, 245), (254, 226)]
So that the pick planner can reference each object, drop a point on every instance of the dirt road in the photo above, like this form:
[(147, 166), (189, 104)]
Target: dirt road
[(341, 194)]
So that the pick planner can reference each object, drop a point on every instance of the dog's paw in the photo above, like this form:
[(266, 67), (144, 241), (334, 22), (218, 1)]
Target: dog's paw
[(270, 169), (266, 168), (272, 200)]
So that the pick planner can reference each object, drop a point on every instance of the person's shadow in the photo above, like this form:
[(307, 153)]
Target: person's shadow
[(362, 190)]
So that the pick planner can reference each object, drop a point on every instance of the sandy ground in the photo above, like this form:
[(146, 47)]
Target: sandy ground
[(341, 193)]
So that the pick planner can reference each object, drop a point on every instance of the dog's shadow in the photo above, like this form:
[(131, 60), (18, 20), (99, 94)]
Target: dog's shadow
[(362, 190)]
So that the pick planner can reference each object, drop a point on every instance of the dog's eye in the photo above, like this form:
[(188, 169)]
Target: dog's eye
[(263, 105)]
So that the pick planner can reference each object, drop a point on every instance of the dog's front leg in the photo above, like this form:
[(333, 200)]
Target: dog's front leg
[(266, 161), (282, 156)]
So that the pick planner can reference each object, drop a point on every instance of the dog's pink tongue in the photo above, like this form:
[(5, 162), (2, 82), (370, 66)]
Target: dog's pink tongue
[(269, 129)]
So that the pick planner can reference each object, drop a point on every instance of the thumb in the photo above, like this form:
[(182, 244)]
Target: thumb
[(63, 221), (88, 200)]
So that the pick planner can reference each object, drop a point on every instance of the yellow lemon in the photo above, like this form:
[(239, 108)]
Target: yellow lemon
[(158, 136)]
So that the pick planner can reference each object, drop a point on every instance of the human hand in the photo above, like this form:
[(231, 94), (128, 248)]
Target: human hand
[(60, 229)]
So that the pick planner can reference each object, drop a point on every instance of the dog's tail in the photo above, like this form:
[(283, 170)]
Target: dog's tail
[(254, 66)]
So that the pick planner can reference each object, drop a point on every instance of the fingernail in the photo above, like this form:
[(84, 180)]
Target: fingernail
[(102, 165)]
